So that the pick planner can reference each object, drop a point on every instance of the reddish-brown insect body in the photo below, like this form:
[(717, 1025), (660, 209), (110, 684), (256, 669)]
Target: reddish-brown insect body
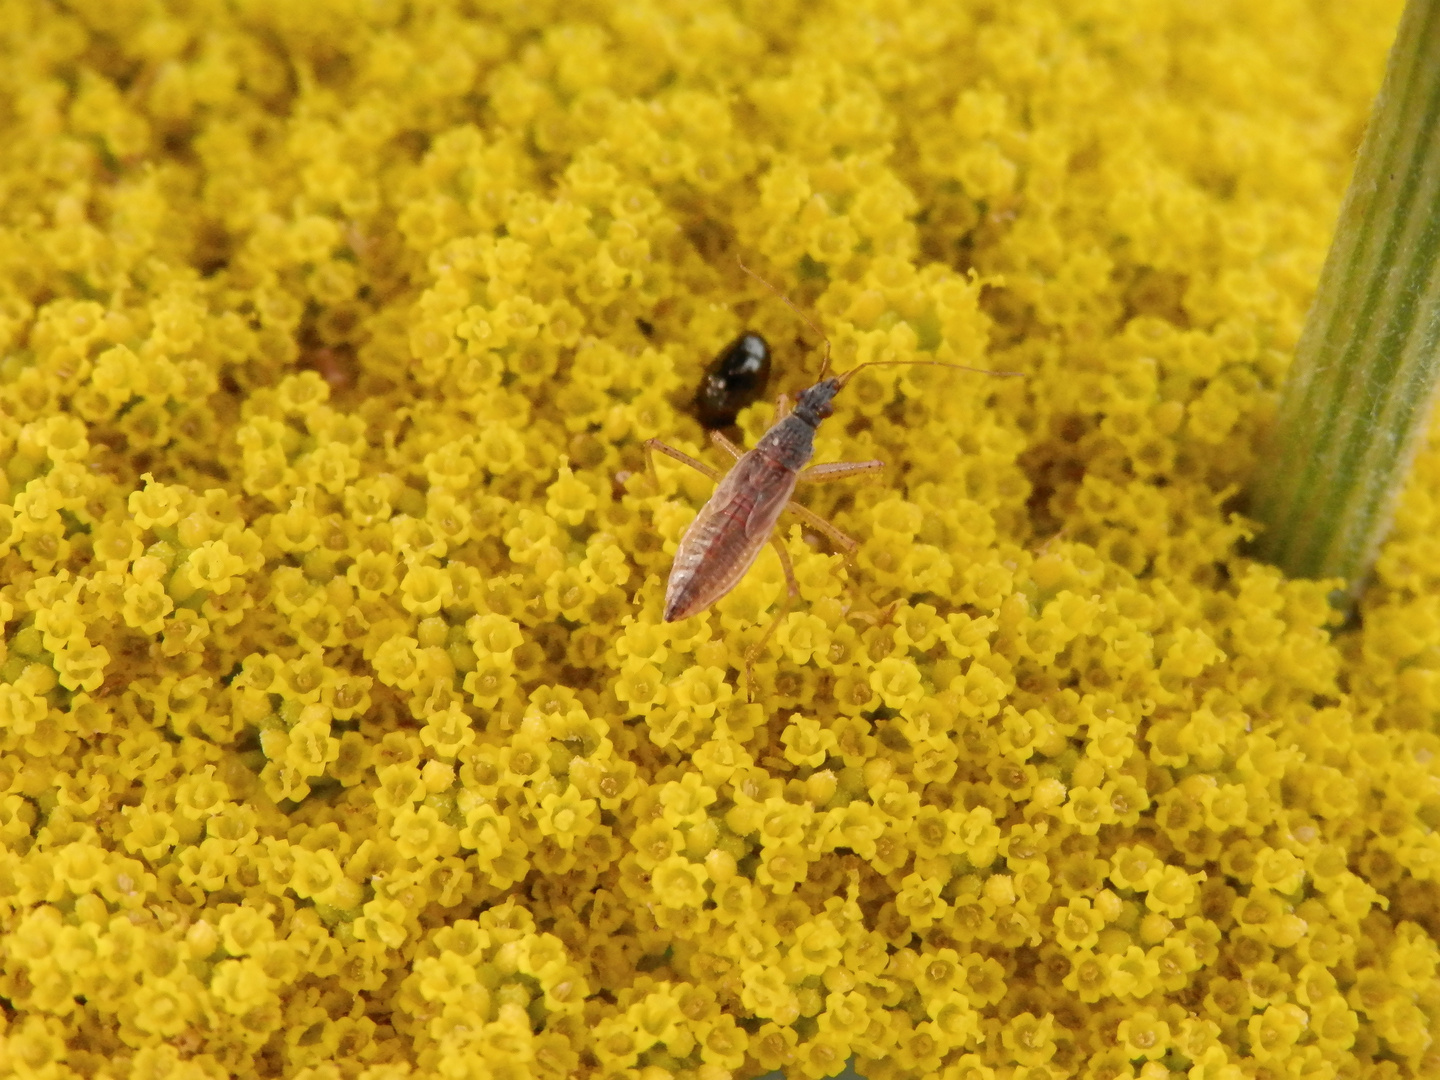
[(725, 538)]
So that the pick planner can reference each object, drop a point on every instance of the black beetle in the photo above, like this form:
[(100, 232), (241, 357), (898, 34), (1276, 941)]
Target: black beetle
[(736, 379)]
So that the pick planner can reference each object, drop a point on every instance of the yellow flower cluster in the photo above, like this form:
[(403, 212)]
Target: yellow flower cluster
[(340, 734)]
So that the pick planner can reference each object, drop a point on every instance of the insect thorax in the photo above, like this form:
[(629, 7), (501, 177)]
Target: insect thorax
[(790, 443)]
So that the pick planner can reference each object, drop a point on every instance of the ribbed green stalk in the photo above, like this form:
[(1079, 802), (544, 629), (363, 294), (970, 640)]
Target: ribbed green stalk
[(1361, 388)]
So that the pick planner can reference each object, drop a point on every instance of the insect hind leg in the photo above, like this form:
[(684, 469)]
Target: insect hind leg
[(846, 543), (792, 593)]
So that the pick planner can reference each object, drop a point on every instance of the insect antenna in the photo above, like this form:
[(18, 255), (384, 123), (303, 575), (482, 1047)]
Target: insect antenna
[(845, 378), (825, 362)]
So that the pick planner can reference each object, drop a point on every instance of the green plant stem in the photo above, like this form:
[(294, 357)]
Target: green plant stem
[(1362, 385)]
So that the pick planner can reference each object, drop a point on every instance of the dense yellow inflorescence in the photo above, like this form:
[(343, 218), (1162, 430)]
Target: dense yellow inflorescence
[(340, 734)]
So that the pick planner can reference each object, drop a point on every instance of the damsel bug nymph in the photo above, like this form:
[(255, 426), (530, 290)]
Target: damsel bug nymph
[(736, 379), (725, 538)]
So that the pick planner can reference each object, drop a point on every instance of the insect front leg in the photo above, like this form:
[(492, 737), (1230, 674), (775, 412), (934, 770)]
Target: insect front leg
[(792, 593), (651, 445), (725, 444)]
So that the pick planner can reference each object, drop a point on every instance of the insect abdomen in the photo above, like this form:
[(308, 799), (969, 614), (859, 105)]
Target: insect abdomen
[(727, 535)]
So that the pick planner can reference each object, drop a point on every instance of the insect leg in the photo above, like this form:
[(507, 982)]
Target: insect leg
[(819, 474), (792, 593), (651, 445), (838, 470), (783, 407), (725, 444), (880, 616), (847, 544)]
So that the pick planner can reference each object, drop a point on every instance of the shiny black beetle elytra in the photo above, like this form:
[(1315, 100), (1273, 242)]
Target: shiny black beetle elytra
[(734, 380)]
